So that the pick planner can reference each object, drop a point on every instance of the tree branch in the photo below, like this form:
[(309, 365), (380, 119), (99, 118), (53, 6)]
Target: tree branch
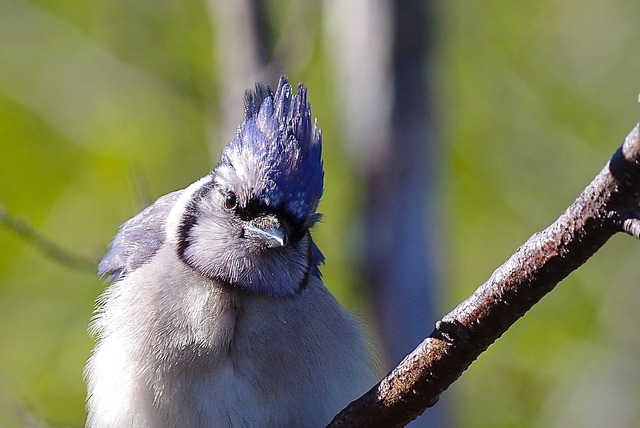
[(607, 206), (44, 245)]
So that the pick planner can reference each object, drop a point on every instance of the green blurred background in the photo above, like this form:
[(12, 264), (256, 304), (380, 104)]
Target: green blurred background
[(107, 104)]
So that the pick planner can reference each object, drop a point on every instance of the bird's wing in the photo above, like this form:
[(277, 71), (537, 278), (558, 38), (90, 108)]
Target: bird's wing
[(138, 239)]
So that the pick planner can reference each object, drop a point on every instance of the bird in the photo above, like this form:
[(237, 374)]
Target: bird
[(216, 314)]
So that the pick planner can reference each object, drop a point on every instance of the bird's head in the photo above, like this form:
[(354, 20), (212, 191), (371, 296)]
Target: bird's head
[(247, 226)]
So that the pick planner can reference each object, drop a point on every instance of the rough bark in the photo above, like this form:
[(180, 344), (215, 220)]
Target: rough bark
[(608, 205)]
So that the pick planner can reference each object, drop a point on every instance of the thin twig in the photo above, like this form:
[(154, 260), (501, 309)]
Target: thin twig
[(140, 188), (44, 245), (628, 222)]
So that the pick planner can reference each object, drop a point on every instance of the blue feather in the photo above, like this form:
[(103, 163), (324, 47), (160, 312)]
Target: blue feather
[(280, 145)]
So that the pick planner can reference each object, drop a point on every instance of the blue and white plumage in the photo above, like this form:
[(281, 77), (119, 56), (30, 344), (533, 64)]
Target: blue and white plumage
[(217, 315)]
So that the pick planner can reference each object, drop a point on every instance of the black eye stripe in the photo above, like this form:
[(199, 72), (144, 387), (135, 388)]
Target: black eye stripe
[(190, 217), (253, 208)]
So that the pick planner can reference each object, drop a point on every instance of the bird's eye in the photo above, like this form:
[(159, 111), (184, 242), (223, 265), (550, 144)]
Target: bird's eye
[(230, 200)]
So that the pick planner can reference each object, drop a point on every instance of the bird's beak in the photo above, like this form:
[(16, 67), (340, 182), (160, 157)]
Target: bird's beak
[(267, 231)]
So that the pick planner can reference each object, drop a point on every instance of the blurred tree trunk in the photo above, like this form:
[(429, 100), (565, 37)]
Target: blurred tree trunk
[(401, 212), (242, 49), (386, 55)]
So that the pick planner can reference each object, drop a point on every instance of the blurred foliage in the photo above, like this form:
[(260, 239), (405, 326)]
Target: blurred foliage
[(98, 95), (535, 97)]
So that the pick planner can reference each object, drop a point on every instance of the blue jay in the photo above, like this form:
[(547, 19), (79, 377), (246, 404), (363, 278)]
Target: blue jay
[(217, 315)]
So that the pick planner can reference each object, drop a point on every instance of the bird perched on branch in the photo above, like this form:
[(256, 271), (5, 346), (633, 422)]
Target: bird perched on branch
[(217, 315)]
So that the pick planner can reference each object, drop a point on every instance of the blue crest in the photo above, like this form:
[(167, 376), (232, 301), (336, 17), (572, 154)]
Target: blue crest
[(277, 152)]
